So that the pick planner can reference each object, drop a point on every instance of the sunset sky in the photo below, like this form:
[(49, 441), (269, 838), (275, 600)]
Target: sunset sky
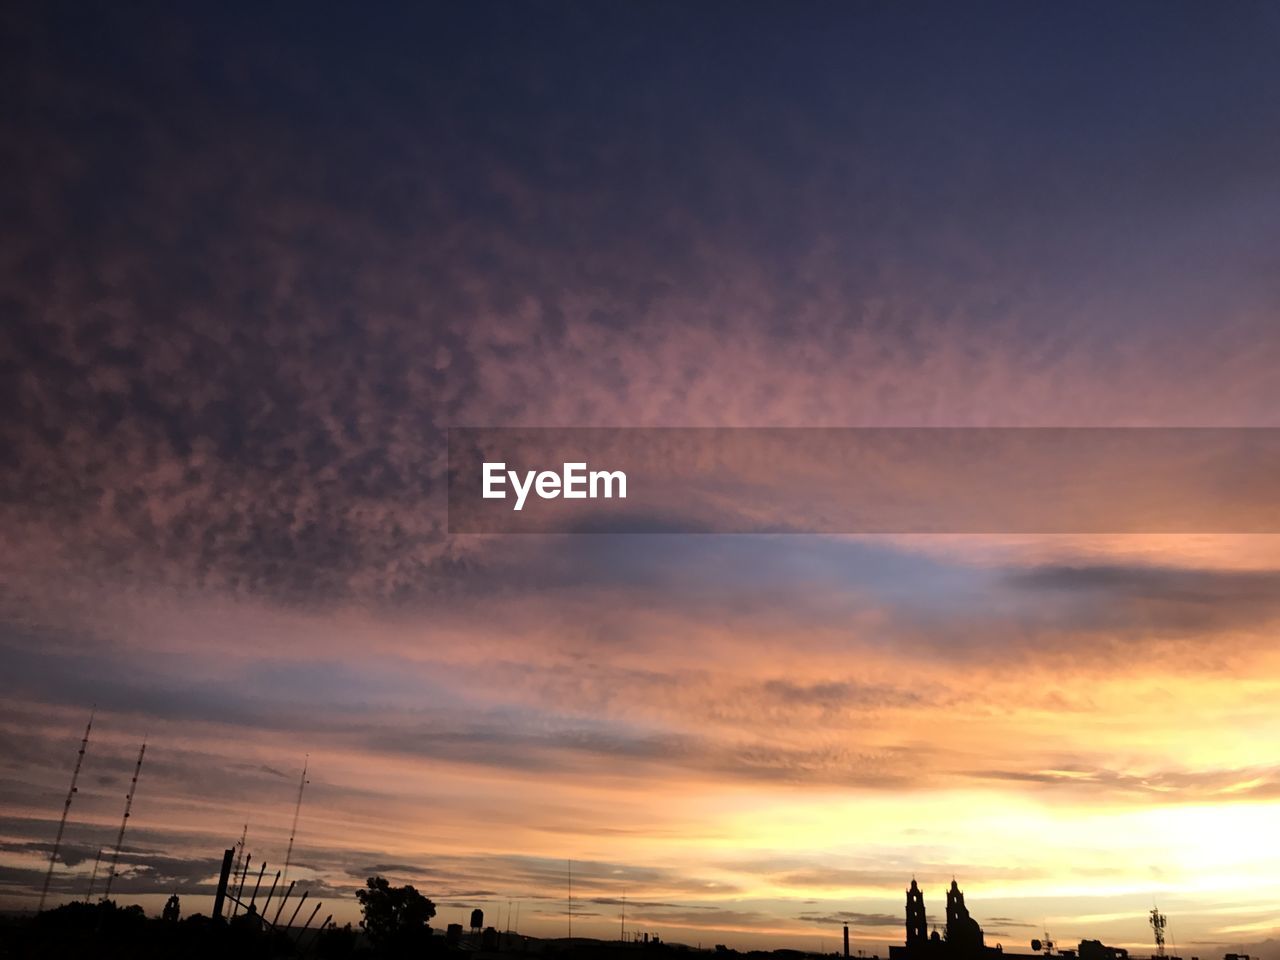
[(254, 263)]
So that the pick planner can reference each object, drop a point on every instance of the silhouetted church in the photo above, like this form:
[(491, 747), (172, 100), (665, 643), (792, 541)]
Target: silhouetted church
[(963, 936)]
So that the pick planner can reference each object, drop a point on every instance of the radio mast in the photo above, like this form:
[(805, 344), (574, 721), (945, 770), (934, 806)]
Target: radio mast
[(297, 808), (66, 808), (1158, 922), (124, 821), (93, 877)]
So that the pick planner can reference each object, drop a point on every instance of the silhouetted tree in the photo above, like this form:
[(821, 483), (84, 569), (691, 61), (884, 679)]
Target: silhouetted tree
[(395, 918)]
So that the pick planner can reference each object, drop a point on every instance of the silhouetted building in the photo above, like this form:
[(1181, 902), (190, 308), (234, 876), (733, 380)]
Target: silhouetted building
[(963, 933), (917, 923), (964, 939), (1097, 950)]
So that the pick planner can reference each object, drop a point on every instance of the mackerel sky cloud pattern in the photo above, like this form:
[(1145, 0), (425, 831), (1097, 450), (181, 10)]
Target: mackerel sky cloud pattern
[(256, 263)]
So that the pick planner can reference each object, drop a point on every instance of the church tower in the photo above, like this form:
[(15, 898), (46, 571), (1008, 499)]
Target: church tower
[(916, 923), (963, 933), (956, 910)]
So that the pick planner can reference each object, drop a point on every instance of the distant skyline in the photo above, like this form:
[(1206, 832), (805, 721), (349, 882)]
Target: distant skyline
[(256, 261)]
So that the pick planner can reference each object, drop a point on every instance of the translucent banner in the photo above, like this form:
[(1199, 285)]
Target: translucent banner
[(885, 480)]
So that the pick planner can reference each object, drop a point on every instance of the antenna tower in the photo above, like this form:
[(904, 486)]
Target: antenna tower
[(93, 877), (66, 808), (124, 821), (1158, 923), (297, 808)]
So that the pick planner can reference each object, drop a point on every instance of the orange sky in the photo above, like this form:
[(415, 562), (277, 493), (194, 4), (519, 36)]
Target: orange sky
[(754, 771)]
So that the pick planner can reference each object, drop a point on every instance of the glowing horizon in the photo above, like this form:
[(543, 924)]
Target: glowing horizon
[(1044, 770)]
